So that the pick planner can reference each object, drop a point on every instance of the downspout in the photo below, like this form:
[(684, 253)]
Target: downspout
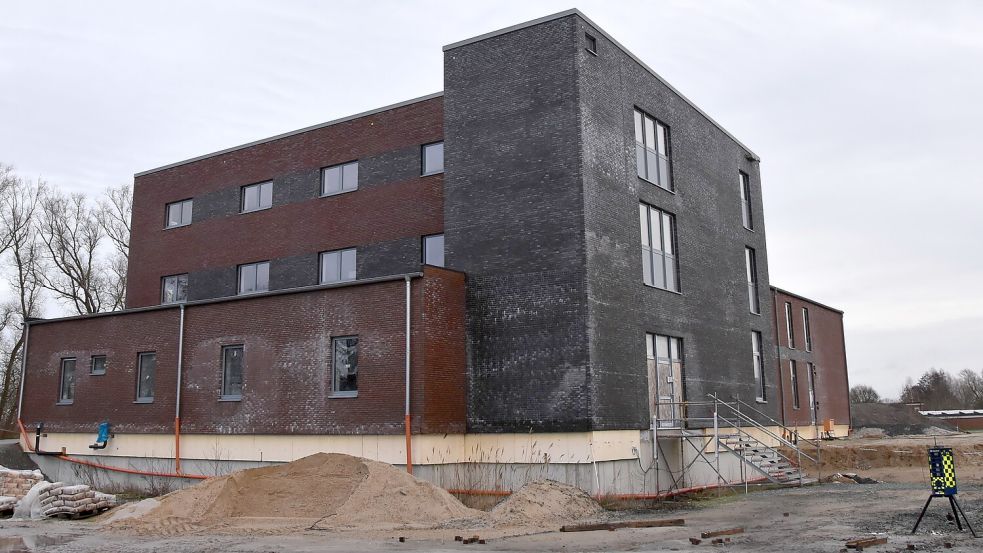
[(177, 402), (409, 441)]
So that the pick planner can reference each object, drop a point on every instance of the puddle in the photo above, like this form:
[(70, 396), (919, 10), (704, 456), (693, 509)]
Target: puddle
[(29, 544)]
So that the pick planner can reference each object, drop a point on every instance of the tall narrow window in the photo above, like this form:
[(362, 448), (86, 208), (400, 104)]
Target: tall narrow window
[(232, 372), (658, 233), (174, 289), (806, 330), (146, 369), (66, 382), (812, 392), (652, 150), (760, 389), (746, 200), (789, 327), (794, 377), (257, 196), (345, 369), (338, 266), (433, 158), (752, 280), (433, 250), (179, 213), (254, 277), (340, 178)]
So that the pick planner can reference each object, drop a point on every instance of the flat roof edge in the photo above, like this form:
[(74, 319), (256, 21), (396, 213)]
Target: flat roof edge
[(575, 11), (803, 298), (292, 133)]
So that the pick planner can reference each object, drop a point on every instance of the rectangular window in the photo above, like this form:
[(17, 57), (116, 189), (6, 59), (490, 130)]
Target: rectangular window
[(338, 266), (179, 213), (806, 330), (257, 196), (433, 250), (254, 277), (66, 381), (433, 158), (232, 372), (658, 232), (174, 289), (760, 390), (812, 391), (340, 178), (345, 369), (752, 280), (146, 367), (591, 43), (794, 376), (652, 150), (746, 200), (97, 364), (789, 327)]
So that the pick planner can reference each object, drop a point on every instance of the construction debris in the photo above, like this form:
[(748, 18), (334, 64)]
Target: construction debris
[(860, 544), (695, 541), (727, 532), (623, 524), (58, 498)]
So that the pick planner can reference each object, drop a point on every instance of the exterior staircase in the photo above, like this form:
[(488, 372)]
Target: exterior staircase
[(764, 459)]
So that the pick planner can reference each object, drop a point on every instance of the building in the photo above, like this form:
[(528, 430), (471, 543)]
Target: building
[(557, 265)]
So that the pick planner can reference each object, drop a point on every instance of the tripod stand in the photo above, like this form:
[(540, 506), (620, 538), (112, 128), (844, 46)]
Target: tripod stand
[(957, 510)]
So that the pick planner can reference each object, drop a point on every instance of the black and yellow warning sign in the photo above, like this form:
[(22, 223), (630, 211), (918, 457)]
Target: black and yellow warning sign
[(942, 470)]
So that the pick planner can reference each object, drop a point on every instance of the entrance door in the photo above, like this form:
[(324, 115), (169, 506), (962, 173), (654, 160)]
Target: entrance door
[(665, 374)]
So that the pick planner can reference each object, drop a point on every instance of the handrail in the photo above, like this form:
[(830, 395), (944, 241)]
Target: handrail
[(764, 429), (765, 415)]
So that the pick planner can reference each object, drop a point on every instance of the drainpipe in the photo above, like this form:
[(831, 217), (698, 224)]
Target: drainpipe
[(23, 368), (409, 442), (177, 402)]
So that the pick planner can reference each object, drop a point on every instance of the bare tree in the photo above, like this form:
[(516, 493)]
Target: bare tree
[(864, 394), (969, 389), (115, 210)]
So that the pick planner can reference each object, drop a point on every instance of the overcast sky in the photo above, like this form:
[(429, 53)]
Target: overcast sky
[(867, 116)]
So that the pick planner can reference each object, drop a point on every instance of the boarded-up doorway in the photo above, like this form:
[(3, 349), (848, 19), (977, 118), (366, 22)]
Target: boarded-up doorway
[(665, 377)]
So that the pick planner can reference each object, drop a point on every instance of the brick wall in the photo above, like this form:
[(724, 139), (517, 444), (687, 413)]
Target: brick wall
[(287, 363)]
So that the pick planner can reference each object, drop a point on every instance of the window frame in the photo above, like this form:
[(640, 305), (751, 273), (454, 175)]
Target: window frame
[(167, 213), (590, 43), (793, 371), (335, 392), (163, 289), (757, 360), (640, 116), (423, 158), (747, 211), (789, 325), (68, 399), (92, 364), (223, 395), (258, 185), (806, 330), (751, 272), (424, 249), (140, 373), (649, 252), (341, 167), (341, 265), (239, 268)]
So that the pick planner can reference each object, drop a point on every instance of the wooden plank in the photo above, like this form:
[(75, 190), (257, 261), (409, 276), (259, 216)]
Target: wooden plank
[(624, 524), (865, 542), (727, 532)]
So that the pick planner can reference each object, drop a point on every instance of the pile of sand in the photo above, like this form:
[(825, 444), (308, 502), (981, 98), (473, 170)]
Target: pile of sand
[(544, 503), (327, 489)]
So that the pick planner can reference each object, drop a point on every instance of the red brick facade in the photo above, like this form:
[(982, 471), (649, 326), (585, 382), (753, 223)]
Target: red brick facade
[(287, 363)]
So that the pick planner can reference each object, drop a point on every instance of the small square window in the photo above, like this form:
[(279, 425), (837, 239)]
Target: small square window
[(179, 213), (339, 178), (66, 382), (345, 368), (97, 364), (338, 266), (433, 158), (591, 44), (254, 277), (174, 289), (232, 361), (433, 250), (257, 196)]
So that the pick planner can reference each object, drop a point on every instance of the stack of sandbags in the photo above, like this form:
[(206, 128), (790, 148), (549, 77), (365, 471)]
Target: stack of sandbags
[(14, 484), (57, 498)]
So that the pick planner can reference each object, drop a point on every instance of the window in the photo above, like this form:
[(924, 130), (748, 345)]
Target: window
[(257, 196), (752, 280), (254, 277), (658, 248), (746, 200), (340, 178), (794, 375), (591, 43), (805, 329), (789, 328), (652, 150), (433, 158), (146, 367), (338, 266), (232, 372), (66, 382), (97, 364), (179, 213), (174, 289), (759, 373), (345, 373), (433, 250), (812, 391)]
